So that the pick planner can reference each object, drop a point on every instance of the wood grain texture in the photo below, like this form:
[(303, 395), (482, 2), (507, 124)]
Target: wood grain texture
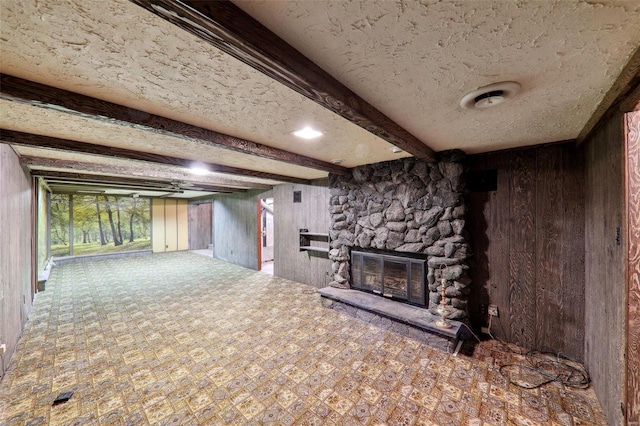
[(499, 256), (550, 310), (522, 271), (520, 234), (311, 213), (522, 298), (200, 223), (17, 275), (38, 141), (228, 28), (235, 228), (573, 298), (604, 266), (632, 197), (28, 92)]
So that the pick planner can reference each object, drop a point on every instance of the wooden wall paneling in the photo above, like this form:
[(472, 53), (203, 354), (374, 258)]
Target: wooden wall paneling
[(518, 236), (522, 244), (614, 255), (16, 233), (549, 224), (313, 214), (235, 228), (171, 225), (200, 221), (632, 198), (603, 267), (573, 255), (182, 215), (500, 201), (158, 244)]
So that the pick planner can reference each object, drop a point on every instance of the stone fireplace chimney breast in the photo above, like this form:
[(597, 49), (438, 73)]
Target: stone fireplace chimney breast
[(406, 206)]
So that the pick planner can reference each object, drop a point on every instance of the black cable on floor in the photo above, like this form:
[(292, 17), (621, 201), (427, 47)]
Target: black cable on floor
[(562, 369)]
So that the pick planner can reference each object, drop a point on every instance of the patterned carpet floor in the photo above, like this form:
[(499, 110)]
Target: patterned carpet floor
[(182, 339)]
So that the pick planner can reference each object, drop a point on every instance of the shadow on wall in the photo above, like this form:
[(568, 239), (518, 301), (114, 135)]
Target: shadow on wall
[(479, 260)]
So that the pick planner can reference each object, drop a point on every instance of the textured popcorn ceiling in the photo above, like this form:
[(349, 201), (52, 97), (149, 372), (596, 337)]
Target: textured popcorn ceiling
[(117, 51), (133, 168), (413, 60), (40, 121)]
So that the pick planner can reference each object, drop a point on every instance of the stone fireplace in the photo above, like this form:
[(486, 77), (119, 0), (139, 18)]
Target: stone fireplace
[(412, 212)]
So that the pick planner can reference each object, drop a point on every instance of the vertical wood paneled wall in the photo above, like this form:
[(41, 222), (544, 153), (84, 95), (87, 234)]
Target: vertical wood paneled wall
[(528, 243), (235, 227), (311, 213), (200, 222), (16, 279), (604, 268), (632, 204)]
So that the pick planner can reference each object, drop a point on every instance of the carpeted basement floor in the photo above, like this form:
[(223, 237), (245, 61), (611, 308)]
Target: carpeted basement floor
[(185, 339)]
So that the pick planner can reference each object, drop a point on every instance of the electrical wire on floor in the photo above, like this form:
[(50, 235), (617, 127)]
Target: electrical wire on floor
[(471, 331), (551, 367)]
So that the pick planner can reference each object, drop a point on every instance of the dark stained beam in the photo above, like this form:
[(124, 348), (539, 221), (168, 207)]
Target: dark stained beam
[(228, 28), (36, 164), (86, 178), (27, 139), (31, 93), (621, 97)]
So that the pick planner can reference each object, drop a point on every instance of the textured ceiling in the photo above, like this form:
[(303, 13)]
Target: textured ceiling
[(120, 53), (412, 60)]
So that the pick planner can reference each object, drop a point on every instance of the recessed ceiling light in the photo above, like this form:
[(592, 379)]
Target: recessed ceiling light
[(395, 150), (491, 95), (307, 133), (200, 171), (336, 161)]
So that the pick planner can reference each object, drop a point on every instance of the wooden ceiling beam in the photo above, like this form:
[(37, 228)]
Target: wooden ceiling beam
[(31, 93), (228, 28), (37, 141), (40, 165), (85, 178)]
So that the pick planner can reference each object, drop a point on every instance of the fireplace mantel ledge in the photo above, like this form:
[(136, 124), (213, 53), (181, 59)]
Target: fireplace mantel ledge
[(412, 315)]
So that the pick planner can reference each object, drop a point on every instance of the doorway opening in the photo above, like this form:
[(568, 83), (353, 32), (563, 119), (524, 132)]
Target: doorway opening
[(267, 235)]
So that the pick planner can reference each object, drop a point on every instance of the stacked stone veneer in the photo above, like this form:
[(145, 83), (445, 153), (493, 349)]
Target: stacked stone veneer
[(404, 206)]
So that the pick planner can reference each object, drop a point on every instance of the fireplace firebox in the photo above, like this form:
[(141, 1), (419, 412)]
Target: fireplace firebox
[(393, 276)]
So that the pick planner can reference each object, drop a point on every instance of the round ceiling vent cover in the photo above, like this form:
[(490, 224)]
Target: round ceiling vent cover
[(491, 95)]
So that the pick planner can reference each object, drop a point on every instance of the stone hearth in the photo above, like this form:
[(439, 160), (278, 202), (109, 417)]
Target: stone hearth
[(410, 321), (410, 206)]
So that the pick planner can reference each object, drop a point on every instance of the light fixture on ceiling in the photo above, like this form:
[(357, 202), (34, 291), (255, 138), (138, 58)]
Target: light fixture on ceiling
[(491, 95), (200, 171), (307, 133), (395, 150), (337, 161)]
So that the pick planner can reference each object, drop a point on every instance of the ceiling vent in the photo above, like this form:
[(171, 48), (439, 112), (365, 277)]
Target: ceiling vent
[(491, 95)]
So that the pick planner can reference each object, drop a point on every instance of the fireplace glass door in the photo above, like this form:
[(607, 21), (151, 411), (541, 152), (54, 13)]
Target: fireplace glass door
[(391, 276), (396, 277)]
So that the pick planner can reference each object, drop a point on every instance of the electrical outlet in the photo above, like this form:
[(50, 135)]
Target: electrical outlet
[(3, 348), (485, 330), (493, 310)]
